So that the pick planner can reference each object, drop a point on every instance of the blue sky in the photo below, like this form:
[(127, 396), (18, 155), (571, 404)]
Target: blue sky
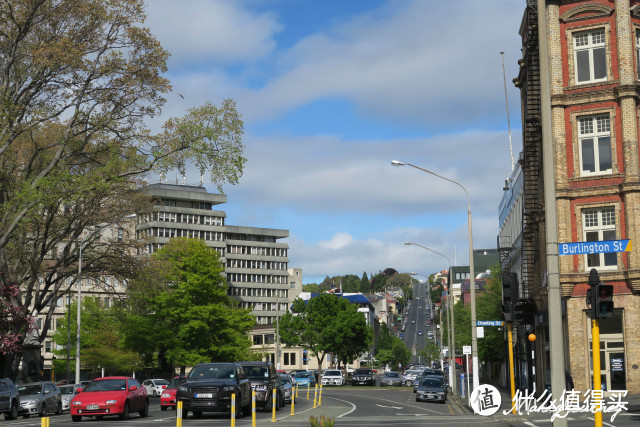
[(331, 91)]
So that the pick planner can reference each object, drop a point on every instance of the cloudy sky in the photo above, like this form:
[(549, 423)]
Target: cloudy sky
[(331, 91)]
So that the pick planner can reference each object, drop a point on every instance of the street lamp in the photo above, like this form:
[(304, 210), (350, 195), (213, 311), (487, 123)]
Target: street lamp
[(452, 338), (472, 282)]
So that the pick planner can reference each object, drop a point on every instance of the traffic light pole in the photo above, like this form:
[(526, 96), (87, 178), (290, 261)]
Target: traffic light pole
[(511, 376), (597, 383)]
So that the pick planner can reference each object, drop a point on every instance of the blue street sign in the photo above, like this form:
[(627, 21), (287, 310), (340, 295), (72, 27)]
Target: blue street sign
[(605, 246), (489, 323)]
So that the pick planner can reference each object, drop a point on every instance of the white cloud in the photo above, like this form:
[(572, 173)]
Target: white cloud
[(211, 31)]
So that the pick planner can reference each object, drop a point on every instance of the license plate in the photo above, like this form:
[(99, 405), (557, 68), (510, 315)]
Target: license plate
[(92, 407), (204, 395), (429, 395)]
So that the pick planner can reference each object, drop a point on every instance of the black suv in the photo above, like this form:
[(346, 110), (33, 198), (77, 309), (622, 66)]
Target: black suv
[(264, 379), (209, 386), (9, 399), (363, 376)]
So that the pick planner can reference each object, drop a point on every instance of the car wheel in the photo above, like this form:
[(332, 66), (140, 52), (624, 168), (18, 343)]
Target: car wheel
[(246, 410), (59, 409), (408, 383), (125, 412), (145, 409), (13, 413), (268, 406), (197, 414), (238, 407), (155, 393), (417, 400), (76, 418), (43, 410), (163, 408)]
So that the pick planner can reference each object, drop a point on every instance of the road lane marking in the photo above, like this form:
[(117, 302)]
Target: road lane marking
[(392, 407)]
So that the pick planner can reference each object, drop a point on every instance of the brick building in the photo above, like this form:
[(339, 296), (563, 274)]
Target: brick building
[(594, 57)]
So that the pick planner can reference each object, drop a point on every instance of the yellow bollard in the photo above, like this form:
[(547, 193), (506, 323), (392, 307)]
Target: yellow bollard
[(233, 410), (253, 408), (44, 422), (296, 390), (274, 404), (293, 401), (308, 388), (320, 396), (315, 395), (179, 414)]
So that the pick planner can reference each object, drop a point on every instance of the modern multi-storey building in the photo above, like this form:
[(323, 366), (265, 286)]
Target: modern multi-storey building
[(256, 263), (594, 58)]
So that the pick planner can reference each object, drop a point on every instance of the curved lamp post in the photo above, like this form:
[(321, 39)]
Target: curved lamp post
[(472, 282), (452, 342)]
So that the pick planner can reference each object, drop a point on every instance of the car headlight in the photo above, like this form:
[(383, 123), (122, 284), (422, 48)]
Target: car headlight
[(76, 402), (111, 402), (29, 402), (183, 389), (228, 388), (166, 395)]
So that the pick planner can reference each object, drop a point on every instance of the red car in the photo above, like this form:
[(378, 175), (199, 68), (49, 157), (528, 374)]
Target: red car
[(168, 396), (110, 396)]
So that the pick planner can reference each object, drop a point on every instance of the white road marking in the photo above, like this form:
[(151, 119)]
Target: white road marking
[(392, 407)]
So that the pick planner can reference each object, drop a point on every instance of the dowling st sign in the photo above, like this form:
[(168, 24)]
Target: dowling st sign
[(605, 246)]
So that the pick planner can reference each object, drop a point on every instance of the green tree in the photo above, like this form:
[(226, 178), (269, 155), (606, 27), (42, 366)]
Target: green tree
[(81, 80), (430, 352), (365, 285), (326, 324), (396, 353), (100, 340), (180, 310), (311, 287)]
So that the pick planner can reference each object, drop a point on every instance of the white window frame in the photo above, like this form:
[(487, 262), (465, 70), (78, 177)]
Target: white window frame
[(603, 222), (638, 54), (597, 128), (589, 41)]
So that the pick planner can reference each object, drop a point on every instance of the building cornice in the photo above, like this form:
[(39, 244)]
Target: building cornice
[(586, 11)]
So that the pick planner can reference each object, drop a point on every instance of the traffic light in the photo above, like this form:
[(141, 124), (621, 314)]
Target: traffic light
[(604, 300), (509, 294)]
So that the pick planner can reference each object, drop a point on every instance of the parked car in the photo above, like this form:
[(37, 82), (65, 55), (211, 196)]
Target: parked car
[(333, 377), (39, 398), (9, 399), (363, 376), (431, 389), (391, 378), (67, 392), (168, 396), (155, 387), (305, 379), (409, 376), (432, 372), (110, 396), (287, 385), (209, 387), (264, 379)]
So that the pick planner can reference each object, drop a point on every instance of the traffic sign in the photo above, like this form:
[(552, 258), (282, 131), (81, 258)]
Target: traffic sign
[(605, 246), (466, 349), (489, 322)]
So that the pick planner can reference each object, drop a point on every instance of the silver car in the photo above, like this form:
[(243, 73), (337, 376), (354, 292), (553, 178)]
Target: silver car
[(391, 378), (409, 377), (67, 392), (39, 398), (289, 390)]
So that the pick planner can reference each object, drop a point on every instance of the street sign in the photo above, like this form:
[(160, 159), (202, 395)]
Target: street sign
[(605, 246), (466, 349), (489, 322)]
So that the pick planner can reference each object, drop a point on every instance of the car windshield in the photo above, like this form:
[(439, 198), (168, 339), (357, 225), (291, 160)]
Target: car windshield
[(332, 373), (106, 385), (176, 382), (364, 372), (431, 383), (203, 372), (303, 374), (30, 389), (392, 375), (257, 371), (161, 382), (286, 379), (66, 389)]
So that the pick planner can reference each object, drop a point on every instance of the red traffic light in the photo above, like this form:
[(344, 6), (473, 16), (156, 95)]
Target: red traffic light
[(605, 291), (604, 301)]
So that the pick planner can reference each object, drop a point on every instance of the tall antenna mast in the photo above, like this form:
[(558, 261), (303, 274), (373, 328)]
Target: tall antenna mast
[(506, 99)]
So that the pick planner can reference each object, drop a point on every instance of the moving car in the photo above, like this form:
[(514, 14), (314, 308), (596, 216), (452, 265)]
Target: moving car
[(431, 389), (67, 392), (333, 377), (289, 390), (428, 372), (264, 379), (391, 378), (209, 386), (155, 387), (39, 398), (420, 332), (110, 396), (9, 399), (305, 379), (168, 396), (363, 376)]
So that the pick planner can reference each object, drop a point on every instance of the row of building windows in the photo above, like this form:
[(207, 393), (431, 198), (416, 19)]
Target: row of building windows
[(258, 292), (255, 264), (256, 250), (212, 236), (154, 247), (187, 204), (256, 278)]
